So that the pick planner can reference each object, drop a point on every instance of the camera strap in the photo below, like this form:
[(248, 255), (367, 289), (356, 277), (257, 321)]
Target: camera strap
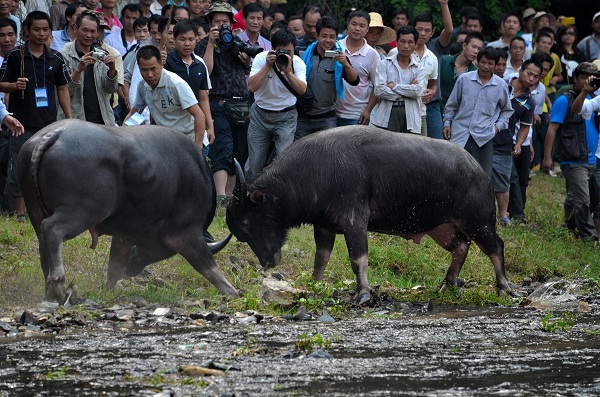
[(285, 82)]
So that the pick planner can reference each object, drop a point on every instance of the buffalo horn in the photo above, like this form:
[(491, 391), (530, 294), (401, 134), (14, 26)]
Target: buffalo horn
[(219, 245), (238, 200)]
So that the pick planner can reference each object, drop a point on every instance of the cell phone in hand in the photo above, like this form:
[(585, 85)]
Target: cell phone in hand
[(595, 82)]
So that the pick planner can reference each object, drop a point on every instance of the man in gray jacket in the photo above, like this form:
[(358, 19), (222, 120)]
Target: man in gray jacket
[(94, 73)]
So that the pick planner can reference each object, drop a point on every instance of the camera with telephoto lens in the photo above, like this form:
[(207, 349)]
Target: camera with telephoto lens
[(281, 57), (227, 38), (225, 34)]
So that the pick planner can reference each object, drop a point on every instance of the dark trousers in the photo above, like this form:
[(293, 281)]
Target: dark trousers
[(6, 201), (519, 180), (397, 122)]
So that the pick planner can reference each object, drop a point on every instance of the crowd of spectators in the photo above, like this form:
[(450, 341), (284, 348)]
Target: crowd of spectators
[(244, 80)]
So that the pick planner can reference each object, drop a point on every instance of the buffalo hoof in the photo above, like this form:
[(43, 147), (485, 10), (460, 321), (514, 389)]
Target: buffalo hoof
[(458, 284), (362, 299), (56, 293)]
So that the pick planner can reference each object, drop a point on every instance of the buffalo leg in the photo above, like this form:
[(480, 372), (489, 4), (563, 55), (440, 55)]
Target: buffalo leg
[(128, 260), (358, 249), (324, 240), (119, 252), (454, 241), (493, 246), (191, 245), (55, 230)]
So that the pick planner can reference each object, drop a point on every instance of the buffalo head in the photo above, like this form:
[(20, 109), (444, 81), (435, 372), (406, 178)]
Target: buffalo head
[(251, 218)]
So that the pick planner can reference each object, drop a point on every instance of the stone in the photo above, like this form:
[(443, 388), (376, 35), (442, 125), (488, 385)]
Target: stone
[(161, 311), (279, 292), (555, 294), (195, 370), (326, 317)]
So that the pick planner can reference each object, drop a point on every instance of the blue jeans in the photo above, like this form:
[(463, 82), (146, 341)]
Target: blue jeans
[(309, 126), (342, 121), (435, 124)]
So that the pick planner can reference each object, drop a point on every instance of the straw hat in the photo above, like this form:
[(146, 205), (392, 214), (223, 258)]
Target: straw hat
[(388, 35), (528, 12), (539, 14)]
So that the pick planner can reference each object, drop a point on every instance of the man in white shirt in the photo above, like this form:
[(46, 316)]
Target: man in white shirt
[(399, 86), (273, 114)]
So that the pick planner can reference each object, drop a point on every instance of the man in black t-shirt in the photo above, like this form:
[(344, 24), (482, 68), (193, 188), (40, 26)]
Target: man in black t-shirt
[(33, 94)]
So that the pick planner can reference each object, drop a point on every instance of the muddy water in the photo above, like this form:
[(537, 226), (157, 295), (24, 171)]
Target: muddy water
[(447, 352)]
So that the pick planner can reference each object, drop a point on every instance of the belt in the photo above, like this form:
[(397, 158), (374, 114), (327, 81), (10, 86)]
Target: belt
[(289, 108), (398, 104), (228, 98)]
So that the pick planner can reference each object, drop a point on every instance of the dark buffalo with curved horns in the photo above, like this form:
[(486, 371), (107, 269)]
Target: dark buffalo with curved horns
[(147, 186), (354, 179)]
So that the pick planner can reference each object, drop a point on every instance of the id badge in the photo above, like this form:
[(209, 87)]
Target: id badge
[(41, 97)]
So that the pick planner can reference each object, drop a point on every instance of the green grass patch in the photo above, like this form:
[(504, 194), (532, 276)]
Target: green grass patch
[(540, 250)]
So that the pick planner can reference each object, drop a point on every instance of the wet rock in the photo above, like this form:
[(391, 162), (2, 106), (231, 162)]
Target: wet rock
[(326, 317), (320, 354), (124, 315), (4, 326), (279, 292), (161, 311), (47, 307), (195, 370), (556, 294), (221, 366), (302, 314), (27, 318), (215, 317)]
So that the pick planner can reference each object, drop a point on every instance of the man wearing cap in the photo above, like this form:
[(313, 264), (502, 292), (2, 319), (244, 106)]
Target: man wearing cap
[(379, 34), (577, 142), (528, 20), (228, 100), (590, 45), (359, 100)]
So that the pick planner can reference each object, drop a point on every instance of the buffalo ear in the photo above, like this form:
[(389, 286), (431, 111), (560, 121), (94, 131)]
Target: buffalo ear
[(257, 196)]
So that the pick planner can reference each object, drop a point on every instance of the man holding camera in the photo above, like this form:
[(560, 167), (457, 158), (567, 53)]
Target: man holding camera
[(227, 66), (327, 67), (576, 139), (94, 76), (273, 114)]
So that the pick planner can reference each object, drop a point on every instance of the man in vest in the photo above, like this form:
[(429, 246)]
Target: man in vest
[(576, 144)]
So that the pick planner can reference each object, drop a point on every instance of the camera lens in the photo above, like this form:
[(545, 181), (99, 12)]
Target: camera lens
[(281, 57)]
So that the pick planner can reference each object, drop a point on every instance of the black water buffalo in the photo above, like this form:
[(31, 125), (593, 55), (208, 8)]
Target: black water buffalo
[(147, 186), (350, 180)]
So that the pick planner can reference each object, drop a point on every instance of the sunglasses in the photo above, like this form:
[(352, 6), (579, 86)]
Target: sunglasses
[(571, 33)]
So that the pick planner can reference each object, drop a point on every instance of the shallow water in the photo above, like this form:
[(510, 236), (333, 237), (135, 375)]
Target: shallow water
[(447, 352)]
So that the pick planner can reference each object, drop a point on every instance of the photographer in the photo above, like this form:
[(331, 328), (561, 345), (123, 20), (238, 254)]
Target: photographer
[(327, 67), (273, 114), (227, 66), (94, 76)]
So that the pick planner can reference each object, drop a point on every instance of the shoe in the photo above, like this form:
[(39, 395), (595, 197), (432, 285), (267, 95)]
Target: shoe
[(519, 220), (504, 221), (222, 201)]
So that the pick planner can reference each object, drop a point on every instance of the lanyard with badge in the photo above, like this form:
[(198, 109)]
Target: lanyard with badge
[(41, 94)]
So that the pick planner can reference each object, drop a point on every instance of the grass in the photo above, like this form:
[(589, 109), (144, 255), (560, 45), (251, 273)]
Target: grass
[(539, 250)]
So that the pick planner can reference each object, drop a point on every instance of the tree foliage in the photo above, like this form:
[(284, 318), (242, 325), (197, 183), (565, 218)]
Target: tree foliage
[(490, 10)]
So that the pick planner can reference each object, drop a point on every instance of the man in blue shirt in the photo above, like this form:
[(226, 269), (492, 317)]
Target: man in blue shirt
[(576, 144)]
